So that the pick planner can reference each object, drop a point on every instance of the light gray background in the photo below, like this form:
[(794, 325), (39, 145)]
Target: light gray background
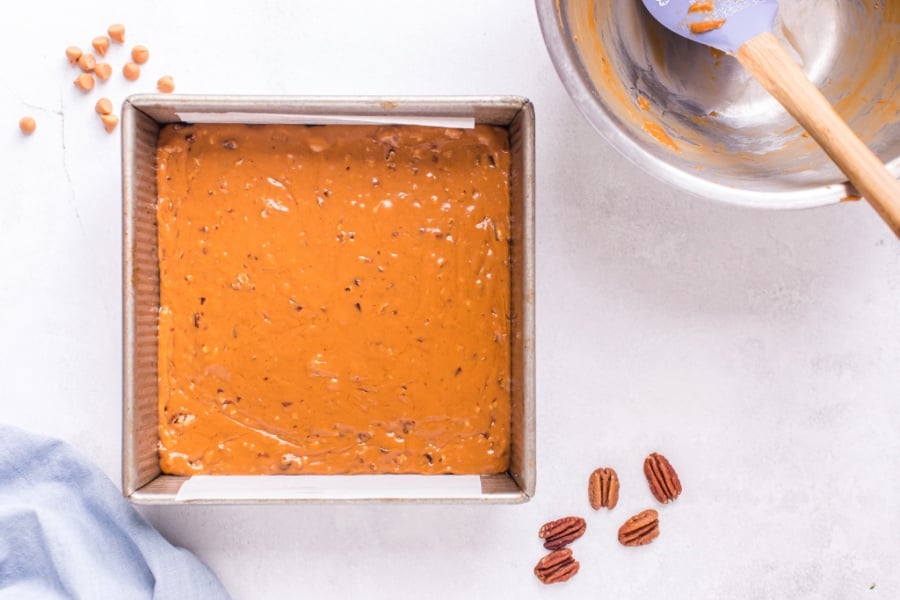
[(758, 350)]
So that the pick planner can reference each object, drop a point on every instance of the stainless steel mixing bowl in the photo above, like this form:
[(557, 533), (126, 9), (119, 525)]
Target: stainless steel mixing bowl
[(696, 120)]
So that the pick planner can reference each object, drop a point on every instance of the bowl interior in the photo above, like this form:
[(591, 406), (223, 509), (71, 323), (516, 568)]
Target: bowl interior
[(694, 117)]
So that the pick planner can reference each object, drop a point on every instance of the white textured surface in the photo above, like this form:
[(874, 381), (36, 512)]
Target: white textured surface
[(758, 350)]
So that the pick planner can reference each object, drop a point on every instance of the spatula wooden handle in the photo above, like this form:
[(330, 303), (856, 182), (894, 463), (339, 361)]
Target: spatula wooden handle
[(767, 60)]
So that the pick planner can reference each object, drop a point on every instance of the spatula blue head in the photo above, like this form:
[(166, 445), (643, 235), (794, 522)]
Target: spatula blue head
[(728, 23)]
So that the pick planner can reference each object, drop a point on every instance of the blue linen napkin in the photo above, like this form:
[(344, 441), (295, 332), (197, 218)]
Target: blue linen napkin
[(67, 532)]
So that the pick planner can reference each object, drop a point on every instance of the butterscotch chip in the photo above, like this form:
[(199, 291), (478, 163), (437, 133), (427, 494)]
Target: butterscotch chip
[(662, 478), (27, 125), (140, 54), (103, 106), (73, 53), (117, 33), (87, 62), (556, 567), (109, 122), (640, 529), (85, 82), (166, 84), (603, 488), (103, 71), (100, 44), (131, 71)]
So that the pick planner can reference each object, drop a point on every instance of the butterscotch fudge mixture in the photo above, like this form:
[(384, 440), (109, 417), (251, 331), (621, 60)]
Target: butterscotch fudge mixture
[(333, 299)]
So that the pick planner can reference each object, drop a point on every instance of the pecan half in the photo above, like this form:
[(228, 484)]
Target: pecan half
[(603, 488), (562, 532), (640, 529), (556, 567), (663, 480)]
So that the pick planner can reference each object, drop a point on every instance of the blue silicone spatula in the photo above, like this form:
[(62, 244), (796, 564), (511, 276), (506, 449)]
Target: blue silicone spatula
[(743, 28)]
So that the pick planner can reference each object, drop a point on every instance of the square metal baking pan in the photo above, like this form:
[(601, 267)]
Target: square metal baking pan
[(142, 118)]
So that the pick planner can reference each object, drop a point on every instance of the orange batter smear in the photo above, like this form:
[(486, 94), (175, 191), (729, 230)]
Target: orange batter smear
[(716, 55), (333, 299), (660, 134), (701, 6), (587, 26), (706, 26)]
